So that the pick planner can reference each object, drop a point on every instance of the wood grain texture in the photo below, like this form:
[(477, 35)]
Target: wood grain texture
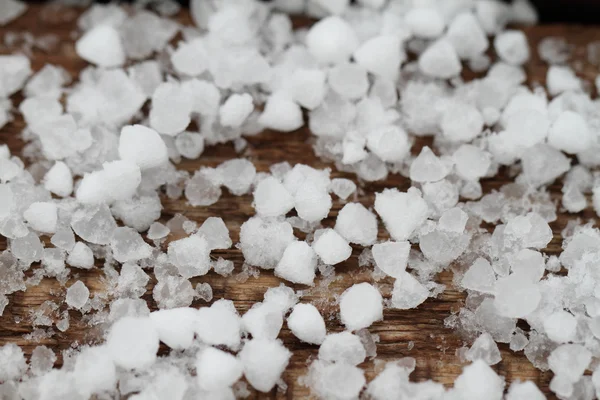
[(434, 345)]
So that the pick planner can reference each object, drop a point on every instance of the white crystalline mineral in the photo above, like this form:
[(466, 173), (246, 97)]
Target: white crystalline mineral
[(118, 180), (14, 71), (237, 175), (190, 255), (331, 247), (132, 343), (478, 381), (408, 292), (467, 36), (190, 58), (298, 263), (360, 306), (357, 224), (428, 167), (529, 264), (307, 87), (336, 381), (143, 146), (236, 109), (264, 241), (516, 297), (484, 348), (425, 22), (271, 198), (94, 371), (561, 79), (381, 56), (560, 326), (263, 321), (524, 391), (440, 60), (219, 324), (81, 256), (331, 40), (60, 137), (158, 231), (127, 245), (342, 187), (216, 369), (101, 46), (176, 326), (14, 364), (569, 361), (470, 162), (343, 347), (264, 361), (512, 47), (171, 108), (77, 295), (42, 216), (59, 179), (461, 122), (401, 212), (391, 257), (307, 324), (216, 233), (480, 277), (200, 190), (281, 114), (42, 360), (349, 80), (10, 10), (570, 133)]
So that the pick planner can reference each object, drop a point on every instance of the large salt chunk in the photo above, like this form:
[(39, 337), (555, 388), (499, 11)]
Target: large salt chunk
[(216, 233), (336, 381), (390, 143), (516, 297), (264, 241), (298, 263), (349, 80), (360, 306), (381, 56), (127, 245), (190, 58), (428, 167), (544, 164), (467, 36), (14, 71), (171, 108), (480, 277), (236, 109), (561, 79), (307, 324), (401, 212), (118, 180), (94, 371), (343, 347), (425, 22), (77, 295), (81, 256), (59, 179), (342, 187), (307, 87), (529, 264), (391, 257), (281, 114), (142, 146), (27, 248), (101, 46), (569, 361), (484, 348), (357, 224), (461, 122), (13, 364), (190, 255), (42, 216), (237, 175), (312, 201), (219, 324), (271, 198), (570, 133), (524, 391), (216, 369), (176, 326), (264, 361), (560, 326), (263, 321), (512, 47), (440, 60), (408, 292), (331, 40), (530, 230), (132, 343), (201, 190), (471, 163), (478, 381), (10, 10), (331, 247), (60, 137)]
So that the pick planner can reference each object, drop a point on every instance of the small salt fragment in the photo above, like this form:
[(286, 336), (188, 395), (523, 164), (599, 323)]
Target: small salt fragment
[(264, 361), (59, 180), (335, 381), (171, 108), (216, 233), (381, 55), (128, 245), (560, 326), (190, 255), (101, 46), (77, 295), (331, 40), (391, 257), (484, 348), (132, 281), (529, 264), (331, 247), (118, 180), (307, 87), (216, 369), (570, 133), (42, 216), (42, 360), (263, 321), (94, 371), (480, 277), (27, 248), (461, 122), (343, 347), (190, 144), (14, 364), (263, 241), (298, 263), (357, 224), (61, 138), (478, 381), (190, 58), (175, 327), (512, 47), (219, 324), (516, 297), (561, 79), (236, 109), (63, 238), (425, 22), (349, 80), (342, 187), (271, 198), (281, 114), (360, 306), (440, 60), (543, 165), (524, 391), (14, 71), (427, 167), (143, 146), (223, 267), (81, 256), (401, 212), (408, 292), (569, 361), (237, 175), (132, 343), (201, 191), (307, 324), (467, 36)]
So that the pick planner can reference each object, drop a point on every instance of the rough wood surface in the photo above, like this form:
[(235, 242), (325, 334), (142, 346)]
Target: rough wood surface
[(434, 345)]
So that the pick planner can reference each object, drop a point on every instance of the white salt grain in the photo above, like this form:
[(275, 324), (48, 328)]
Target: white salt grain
[(298, 263), (143, 146), (331, 247), (236, 109), (357, 224), (132, 343), (307, 324), (264, 361), (101, 46), (331, 40), (512, 47), (77, 295), (360, 306)]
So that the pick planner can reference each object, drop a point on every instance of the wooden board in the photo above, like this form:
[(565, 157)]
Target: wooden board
[(434, 345)]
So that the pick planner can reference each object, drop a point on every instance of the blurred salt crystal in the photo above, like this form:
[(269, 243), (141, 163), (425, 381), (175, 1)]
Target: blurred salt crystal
[(101, 46)]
